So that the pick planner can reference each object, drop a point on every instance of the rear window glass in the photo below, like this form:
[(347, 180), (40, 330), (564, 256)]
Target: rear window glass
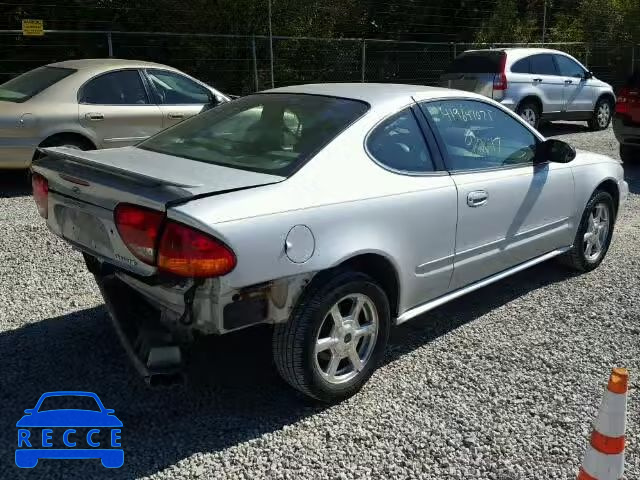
[(25, 86), (269, 133), (521, 66), (477, 62)]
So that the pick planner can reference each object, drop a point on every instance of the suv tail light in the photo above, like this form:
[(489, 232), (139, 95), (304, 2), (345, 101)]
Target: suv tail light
[(40, 187), (622, 102), (500, 79), (179, 249)]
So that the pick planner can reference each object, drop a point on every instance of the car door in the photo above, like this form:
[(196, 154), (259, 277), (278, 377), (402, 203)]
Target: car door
[(578, 94), (548, 86), (509, 210), (116, 108), (178, 96)]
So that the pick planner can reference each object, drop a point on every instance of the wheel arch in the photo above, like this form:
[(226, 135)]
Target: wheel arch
[(611, 187), (607, 95), (66, 135), (531, 98)]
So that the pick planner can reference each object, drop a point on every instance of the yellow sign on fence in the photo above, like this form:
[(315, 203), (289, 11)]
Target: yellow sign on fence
[(33, 27)]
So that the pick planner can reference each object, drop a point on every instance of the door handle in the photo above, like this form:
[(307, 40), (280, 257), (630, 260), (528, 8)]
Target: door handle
[(94, 116), (568, 82), (537, 80), (175, 116), (477, 198)]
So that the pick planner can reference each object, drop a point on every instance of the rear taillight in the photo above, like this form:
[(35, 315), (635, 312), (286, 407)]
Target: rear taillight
[(179, 249), (622, 102), (139, 229), (188, 252), (500, 79), (41, 194)]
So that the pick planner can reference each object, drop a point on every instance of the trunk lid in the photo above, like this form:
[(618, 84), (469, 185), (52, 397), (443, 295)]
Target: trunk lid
[(85, 187)]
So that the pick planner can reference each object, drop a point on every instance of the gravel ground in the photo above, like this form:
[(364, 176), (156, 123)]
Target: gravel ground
[(502, 384)]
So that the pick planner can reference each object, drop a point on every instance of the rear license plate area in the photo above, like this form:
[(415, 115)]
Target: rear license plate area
[(85, 229)]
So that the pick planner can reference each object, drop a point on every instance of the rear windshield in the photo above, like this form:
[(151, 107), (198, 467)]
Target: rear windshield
[(477, 62), (269, 133), (25, 86)]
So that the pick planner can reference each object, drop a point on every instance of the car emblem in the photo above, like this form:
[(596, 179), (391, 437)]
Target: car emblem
[(76, 189)]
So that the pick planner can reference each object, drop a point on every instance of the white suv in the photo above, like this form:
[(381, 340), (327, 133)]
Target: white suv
[(538, 84)]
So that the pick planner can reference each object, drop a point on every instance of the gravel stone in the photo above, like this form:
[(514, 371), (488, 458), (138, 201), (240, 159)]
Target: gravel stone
[(502, 384)]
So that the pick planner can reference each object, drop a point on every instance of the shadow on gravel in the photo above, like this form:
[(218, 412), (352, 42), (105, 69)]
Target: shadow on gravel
[(236, 396), (560, 128), (14, 183)]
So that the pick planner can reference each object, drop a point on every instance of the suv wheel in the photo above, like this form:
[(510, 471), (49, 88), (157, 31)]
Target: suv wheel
[(594, 233), (530, 113), (335, 337), (601, 115)]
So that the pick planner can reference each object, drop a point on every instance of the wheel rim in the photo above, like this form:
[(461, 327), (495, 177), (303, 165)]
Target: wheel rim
[(346, 338), (595, 238), (529, 116), (604, 112)]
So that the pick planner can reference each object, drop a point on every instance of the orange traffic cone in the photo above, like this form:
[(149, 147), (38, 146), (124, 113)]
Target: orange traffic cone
[(604, 459)]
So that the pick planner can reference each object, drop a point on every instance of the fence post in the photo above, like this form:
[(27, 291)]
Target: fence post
[(110, 44), (455, 49), (255, 62), (273, 84), (633, 58), (586, 57), (364, 59)]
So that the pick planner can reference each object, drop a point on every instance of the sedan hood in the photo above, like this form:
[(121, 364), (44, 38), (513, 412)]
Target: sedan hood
[(69, 418)]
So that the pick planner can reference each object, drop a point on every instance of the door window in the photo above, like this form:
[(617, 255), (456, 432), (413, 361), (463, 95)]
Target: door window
[(123, 87), (569, 68), (399, 144), (477, 135), (175, 89), (543, 65), (522, 66)]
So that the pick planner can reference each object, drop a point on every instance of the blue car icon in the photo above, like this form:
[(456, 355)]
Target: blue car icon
[(85, 433)]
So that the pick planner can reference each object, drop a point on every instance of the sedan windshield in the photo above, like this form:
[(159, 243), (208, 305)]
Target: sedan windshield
[(25, 86), (269, 133)]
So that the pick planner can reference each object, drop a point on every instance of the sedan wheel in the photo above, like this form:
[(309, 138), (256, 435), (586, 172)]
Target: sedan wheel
[(335, 336), (597, 232)]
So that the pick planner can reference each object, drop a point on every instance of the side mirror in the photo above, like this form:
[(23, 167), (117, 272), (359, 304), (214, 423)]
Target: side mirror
[(588, 75), (109, 411), (553, 150), (29, 411), (213, 100)]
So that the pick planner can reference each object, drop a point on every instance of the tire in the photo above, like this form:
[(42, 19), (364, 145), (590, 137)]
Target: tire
[(602, 114), (578, 258), (629, 154), (66, 141), (530, 113), (294, 342)]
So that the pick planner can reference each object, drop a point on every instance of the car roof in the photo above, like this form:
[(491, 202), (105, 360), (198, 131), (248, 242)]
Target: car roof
[(105, 64), (373, 93)]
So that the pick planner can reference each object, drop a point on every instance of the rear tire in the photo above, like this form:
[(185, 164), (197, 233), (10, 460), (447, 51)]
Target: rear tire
[(601, 115), (530, 112), (68, 141), (629, 154), (594, 233), (314, 350)]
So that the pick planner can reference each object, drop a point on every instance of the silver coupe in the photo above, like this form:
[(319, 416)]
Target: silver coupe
[(330, 211)]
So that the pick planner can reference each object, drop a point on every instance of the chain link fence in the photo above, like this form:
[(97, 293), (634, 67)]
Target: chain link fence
[(244, 64)]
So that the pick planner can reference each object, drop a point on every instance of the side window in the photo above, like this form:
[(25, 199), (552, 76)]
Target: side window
[(521, 66), (569, 68), (480, 136), (123, 87), (175, 89), (543, 65), (398, 144)]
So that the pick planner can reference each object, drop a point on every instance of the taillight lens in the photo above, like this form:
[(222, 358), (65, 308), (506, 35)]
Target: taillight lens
[(181, 250), (622, 102), (188, 252), (139, 228), (40, 188), (500, 79)]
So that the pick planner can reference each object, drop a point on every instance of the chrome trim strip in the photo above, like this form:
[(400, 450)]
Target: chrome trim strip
[(125, 139), (425, 307)]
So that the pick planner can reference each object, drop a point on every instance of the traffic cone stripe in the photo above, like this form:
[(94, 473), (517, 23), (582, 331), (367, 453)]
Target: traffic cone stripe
[(607, 445), (585, 476), (618, 380)]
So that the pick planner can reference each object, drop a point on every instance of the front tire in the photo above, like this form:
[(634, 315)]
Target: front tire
[(594, 233), (601, 115), (335, 337)]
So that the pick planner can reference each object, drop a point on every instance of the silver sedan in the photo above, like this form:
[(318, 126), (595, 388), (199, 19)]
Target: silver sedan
[(331, 212), (98, 103)]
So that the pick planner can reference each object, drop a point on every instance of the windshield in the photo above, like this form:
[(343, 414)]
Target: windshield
[(25, 86), (477, 62), (69, 402), (269, 133)]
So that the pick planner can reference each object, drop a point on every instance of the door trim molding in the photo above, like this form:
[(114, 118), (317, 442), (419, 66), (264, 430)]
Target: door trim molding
[(425, 307)]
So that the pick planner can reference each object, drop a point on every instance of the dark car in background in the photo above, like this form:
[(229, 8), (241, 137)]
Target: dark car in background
[(626, 119)]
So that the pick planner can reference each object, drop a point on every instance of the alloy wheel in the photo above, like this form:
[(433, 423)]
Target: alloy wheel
[(529, 116), (595, 237), (603, 114)]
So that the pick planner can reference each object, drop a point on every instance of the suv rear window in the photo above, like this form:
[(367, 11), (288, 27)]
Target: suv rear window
[(477, 62), (25, 86), (271, 133)]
